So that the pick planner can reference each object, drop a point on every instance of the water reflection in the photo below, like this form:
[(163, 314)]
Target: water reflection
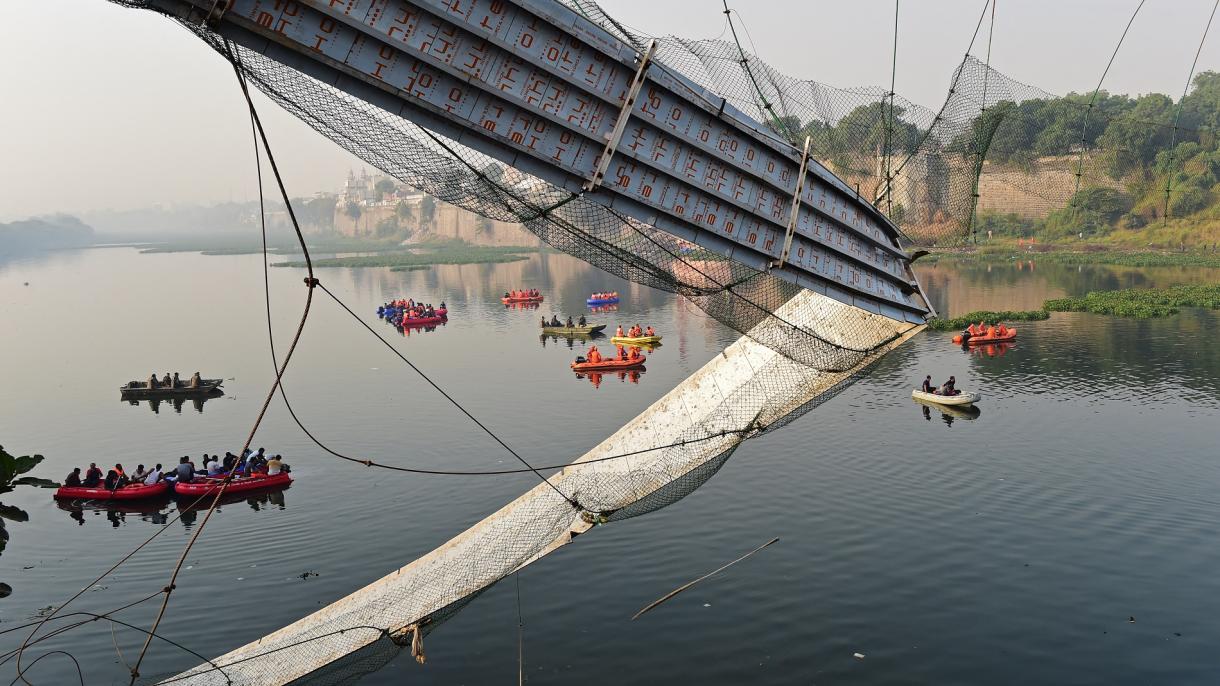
[(158, 511), (568, 340), (595, 378), (948, 413), (154, 404)]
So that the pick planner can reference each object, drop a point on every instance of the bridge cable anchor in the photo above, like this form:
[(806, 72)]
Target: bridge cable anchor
[(795, 213), (620, 124)]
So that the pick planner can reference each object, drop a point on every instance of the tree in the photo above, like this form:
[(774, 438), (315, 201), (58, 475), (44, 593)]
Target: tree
[(1132, 141), (352, 210), (386, 227), (384, 187), (427, 210)]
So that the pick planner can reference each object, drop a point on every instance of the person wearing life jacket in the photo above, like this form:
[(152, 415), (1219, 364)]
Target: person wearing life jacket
[(1002, 331), (991, 331), (594, 354), (622, 353), (650, 332), (619, 331)]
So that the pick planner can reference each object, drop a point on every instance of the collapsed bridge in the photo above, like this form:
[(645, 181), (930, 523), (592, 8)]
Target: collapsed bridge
[(543, 112)]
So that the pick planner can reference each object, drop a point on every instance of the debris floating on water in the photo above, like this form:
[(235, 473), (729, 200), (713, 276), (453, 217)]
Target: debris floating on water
[(858, 656)]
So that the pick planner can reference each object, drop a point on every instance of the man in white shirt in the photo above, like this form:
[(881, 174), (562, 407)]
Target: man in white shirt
[(214, 467), (153, 477)]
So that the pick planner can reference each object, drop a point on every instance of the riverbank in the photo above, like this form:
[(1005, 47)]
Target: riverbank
[(1075, 255), (427, 254)]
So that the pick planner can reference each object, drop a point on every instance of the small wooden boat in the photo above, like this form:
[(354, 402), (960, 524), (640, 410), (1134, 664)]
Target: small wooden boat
[(954, 400), (608, 365), (522, 299), (573, 330), (128, 492), (140, 389), (637, 340), (205, 485)]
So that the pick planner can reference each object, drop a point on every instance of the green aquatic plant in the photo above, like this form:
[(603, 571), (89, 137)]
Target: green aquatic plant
[(428, 254), (1142, 303), (987, 317), (11, 469)]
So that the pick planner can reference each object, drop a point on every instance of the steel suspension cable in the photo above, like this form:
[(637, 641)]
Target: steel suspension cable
[(1084, 127), (1173, 136)]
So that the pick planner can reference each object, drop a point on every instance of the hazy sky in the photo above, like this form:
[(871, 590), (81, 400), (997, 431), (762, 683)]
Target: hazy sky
[(105, 107)]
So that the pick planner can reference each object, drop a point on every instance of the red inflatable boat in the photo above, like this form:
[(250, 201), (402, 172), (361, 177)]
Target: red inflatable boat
[(206, 485), (608, 365), (425, 321), (129, 492)]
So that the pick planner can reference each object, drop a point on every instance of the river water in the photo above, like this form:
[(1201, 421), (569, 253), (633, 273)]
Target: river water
[(1009, 548)]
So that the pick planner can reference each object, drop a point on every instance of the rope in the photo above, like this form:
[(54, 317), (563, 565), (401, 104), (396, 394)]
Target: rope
[(310, 283), (29, 639), (1173, 137)]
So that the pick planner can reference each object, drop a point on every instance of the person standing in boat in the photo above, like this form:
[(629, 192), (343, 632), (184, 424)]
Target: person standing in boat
[(177, 383), (542, 321)]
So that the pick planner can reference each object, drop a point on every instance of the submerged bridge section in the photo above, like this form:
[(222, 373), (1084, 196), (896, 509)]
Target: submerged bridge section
[(541, 88)]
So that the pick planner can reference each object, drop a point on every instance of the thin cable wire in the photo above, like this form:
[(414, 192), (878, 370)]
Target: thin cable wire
[(957, 76), (745, 65), (889, 125), (1085, 126), (1173, 137), (310, 283), (978, 153), (520, 633)]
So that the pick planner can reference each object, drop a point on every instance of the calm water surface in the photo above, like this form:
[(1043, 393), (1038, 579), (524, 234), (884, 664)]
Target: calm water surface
[(1010, 548)]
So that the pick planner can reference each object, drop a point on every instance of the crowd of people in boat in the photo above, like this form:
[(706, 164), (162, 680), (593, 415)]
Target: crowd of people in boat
[(947, 388), (251, 463), (173, 382), (604, 295), (634, 332), (570, 324), (522, 294), (983, 330), (408, 309), (594, 356)]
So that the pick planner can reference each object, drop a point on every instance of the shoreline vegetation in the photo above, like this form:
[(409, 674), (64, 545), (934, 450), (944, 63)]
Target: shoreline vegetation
[(1137, 303), (1083, 255), (424, 255)]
